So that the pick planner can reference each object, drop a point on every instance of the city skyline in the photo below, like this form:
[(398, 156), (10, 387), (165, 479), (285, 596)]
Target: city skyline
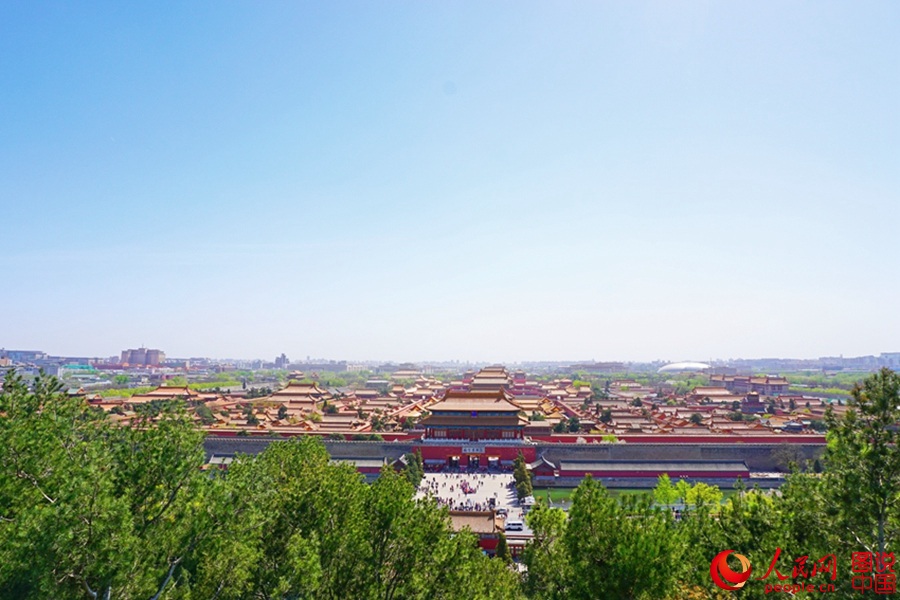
[(439, 181), (294, 359)]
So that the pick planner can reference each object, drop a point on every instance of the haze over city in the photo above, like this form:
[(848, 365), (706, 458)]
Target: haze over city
[(451, 181)]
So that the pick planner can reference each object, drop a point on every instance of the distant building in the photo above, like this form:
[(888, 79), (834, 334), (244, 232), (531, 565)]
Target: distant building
[(890, 360), (281, 362), (333, 366), (717, 395), (684, 367), (752, 404), (143, 357), (22, 356), (744, 384), (598, 367), (491, 378)]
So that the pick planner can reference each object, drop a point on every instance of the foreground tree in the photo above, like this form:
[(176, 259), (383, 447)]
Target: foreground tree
[(88, 509), (549, 571), (604, 549), (863, 465), (502, 551), (622, 549), (92, 510), (522, 477)]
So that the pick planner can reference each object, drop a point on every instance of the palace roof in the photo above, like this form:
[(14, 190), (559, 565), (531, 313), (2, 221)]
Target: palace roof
[(460, 421), (487, 401), (482, 522)]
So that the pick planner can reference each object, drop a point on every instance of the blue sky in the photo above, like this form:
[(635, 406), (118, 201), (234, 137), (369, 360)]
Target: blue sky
[(488, 181)]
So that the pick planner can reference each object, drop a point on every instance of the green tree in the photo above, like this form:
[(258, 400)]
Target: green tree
[(205, 413), (863, 464), (665, 492), (522, 477), (702, 493), (627, 550), (750, 523), (682, 488), (548, 574), (502, 551), (92, 510), (787, 457), (415, 468)]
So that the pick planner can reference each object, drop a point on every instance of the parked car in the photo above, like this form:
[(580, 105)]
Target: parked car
[(515, 525)]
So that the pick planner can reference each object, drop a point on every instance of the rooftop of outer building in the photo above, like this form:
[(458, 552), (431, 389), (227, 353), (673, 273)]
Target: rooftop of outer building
[(480, 522)]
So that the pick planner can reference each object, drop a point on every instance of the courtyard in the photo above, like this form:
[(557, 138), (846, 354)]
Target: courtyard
[(474, 491)]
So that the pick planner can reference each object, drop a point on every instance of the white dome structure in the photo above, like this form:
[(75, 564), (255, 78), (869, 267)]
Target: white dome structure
[(684, 367)]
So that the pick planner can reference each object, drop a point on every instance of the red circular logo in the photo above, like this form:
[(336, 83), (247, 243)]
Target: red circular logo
[(719, 571)]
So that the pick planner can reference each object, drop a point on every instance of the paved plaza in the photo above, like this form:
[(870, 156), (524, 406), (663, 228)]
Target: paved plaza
[(473, 491)]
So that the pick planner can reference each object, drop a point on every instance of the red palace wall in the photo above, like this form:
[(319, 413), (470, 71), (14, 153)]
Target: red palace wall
[(488, 543), (808, 439), (505, 453), (690, 439), (369, 470), (387, 437)]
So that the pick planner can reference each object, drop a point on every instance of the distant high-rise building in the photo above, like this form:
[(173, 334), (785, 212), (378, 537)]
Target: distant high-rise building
[(143, 357), (281, 362), (22, 356), (890, 359)]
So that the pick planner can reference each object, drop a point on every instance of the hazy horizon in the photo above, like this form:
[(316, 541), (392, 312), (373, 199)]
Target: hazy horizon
[(395, 360), (500, 181)]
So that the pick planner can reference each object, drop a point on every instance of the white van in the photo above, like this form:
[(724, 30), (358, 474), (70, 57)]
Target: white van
[(515, 525)]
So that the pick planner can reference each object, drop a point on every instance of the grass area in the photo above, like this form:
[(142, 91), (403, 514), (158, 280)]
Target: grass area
[(819, 391), (125, 392), (565, 494), (129, 392), (213, 384)]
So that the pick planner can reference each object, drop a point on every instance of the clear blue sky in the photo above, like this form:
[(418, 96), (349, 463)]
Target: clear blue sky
[(437, 180)]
